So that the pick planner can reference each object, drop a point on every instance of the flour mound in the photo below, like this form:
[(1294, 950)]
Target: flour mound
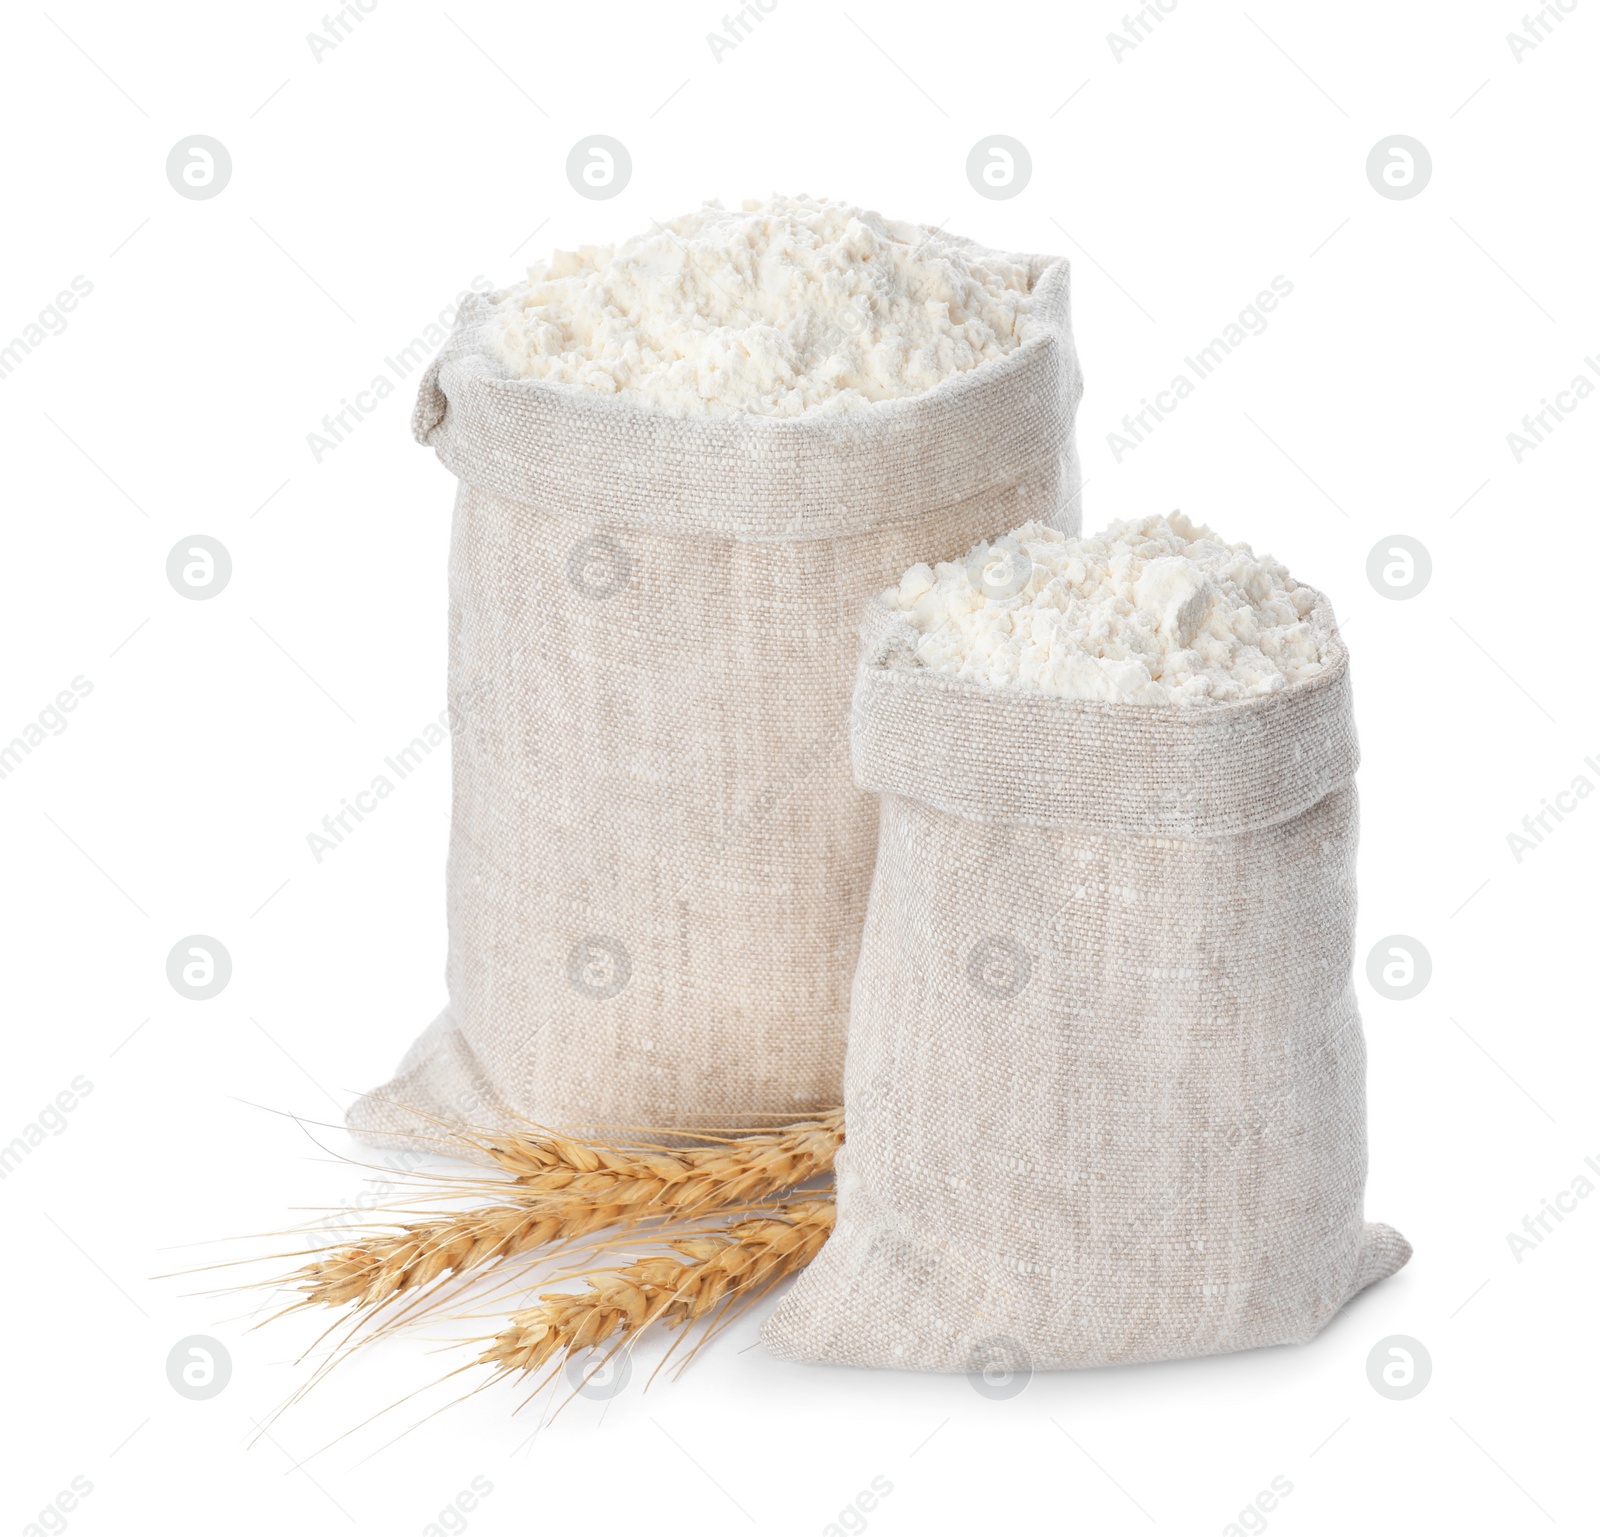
[(781, 308), (1154, 611)]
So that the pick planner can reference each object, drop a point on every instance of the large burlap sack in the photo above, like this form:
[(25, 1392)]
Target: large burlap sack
[(658, 861), (1105, 1091)]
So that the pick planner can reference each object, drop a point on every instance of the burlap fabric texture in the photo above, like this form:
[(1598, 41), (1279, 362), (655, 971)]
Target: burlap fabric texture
[(658, 862), (1105, 1089)]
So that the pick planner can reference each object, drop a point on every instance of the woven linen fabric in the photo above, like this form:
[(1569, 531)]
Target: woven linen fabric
[(1105, 1087), (658, 861)]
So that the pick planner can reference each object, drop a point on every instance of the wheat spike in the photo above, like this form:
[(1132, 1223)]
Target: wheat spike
[(739, 1262), (731, 1172), (562, 1189), (371, 1270)]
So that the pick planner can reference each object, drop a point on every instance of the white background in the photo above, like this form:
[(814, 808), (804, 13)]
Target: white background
[(428, 148)]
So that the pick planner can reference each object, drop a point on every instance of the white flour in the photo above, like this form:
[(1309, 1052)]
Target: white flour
[(1156, 611), (777, 309)]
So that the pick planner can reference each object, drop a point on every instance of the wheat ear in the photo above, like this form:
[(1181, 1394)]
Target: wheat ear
[(732, 1171), (560, 1190), (739, 1262)]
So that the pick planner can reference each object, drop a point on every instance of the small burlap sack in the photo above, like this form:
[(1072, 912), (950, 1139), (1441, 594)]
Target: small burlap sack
[(1105, 1090), (658, 861)]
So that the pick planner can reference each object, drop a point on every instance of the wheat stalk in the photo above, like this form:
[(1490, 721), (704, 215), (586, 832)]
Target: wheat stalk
[(737, 1263), (560, 1190)]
